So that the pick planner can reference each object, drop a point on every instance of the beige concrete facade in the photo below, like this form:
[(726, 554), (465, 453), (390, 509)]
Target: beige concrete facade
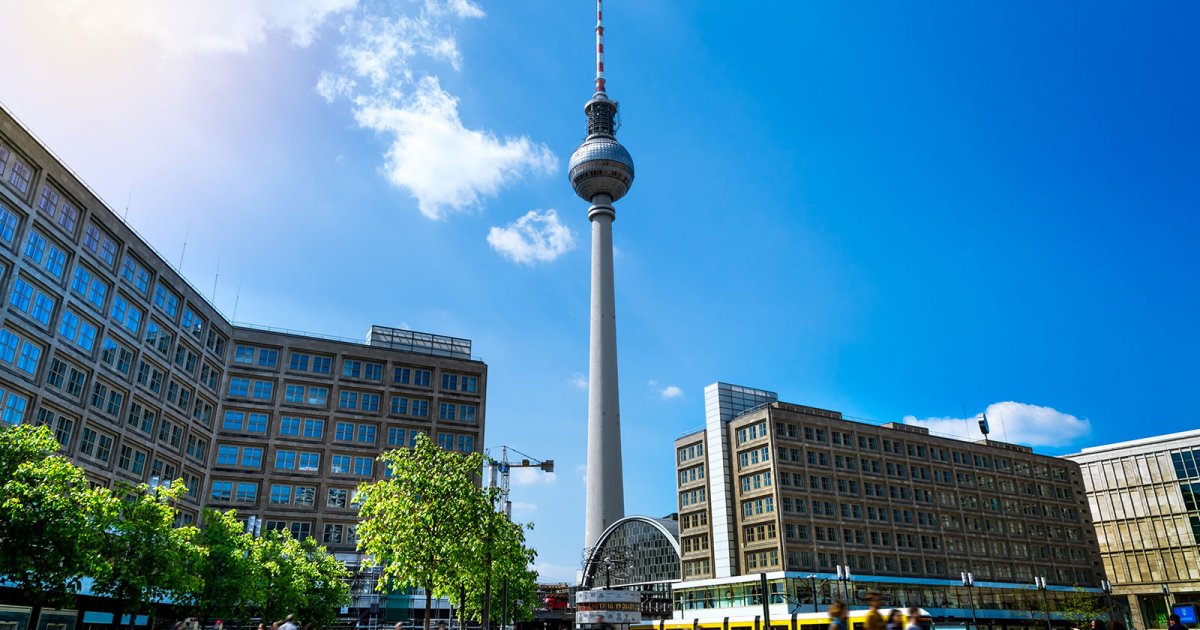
[(141, 377), (1144, 497), (811, 491)]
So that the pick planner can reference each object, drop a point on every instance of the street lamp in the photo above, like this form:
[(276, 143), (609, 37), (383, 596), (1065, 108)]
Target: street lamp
[(843, 573), (1106, 586), (968, 581), (1040, 583)]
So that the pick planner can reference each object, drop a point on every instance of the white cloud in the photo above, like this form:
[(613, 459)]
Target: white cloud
[(520, 507), (205, 26), (535, 237), (550, 573), (581, 470), (530, 477), (579, 380), (1014, 422), (431, 154), (668, 392)]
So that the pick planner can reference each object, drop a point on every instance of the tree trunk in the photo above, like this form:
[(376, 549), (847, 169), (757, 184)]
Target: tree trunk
[(428, 604)]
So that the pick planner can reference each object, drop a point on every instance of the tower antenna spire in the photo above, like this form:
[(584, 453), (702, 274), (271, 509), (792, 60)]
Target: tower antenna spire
[(600, 46)]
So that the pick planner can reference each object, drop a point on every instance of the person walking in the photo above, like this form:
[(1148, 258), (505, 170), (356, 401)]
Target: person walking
[(838, 616), (914, 619), (895, 620), (874, 619), (289, 624)]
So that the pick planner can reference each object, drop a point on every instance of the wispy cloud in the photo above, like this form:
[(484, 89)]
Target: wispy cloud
[(531, 477), (523, 508), (444, 165), (548, 573), (535, 237), (204, 26), (1015, 422), (668, 392), (579, 380)]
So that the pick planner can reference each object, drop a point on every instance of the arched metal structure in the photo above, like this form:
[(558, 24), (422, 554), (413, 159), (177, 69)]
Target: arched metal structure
[(637, 553)]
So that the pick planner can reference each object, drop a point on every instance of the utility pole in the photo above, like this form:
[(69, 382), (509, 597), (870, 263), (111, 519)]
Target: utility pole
[(968, 581), (503, 467), (1040, 583)]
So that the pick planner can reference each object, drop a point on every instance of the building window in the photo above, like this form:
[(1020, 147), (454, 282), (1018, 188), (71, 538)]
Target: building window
[(339, 464), (421, 377), (373, 371), (344, 432), (310, 462), (370, 402), (256, 422), (285, 460), (402, 375), (239, 387), (366, 433), (351, 369), (305, 495), (348, 400), (333, 533), (446, 411), (222, 490), (289, 425), (263, 390), (446, 441), (166, 299), (466, 413), (399, 405), (299, 362), (314, 428), (14, 408), (362, 466), (247, 492), (337, 498), (466, 443), (135, 273), (395, 437), (420, 408), (281, 494), (449, 381), (322, 365)]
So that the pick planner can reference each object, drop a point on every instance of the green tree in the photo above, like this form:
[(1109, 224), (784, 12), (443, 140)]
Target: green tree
[(423, 524), (293, 577), (145, 558), (225, 570), (327, 585), (278, 584), (1081, 607), (48, 535), (510, 565)]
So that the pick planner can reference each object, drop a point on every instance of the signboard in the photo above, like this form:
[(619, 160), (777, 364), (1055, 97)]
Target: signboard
[(1187, 613), (603, 606)]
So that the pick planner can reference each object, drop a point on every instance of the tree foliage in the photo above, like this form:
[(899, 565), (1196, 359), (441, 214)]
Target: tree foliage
[(225, 587), (423, 525), (328, 585), (1081, 607), (47, 513), (145, 558), (430, 525)]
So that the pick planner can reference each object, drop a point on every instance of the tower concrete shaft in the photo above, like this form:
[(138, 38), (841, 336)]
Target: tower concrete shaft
[(605, 480), (601, 172)]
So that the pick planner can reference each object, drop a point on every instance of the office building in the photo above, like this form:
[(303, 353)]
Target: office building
[(142, 379), (1145, 496), (804, 495)]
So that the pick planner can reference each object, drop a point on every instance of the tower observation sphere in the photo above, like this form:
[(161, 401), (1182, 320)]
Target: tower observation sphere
[(601, 166)]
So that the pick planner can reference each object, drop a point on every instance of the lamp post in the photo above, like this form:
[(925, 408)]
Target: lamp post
[(968, 581), (1106, 586), (812, 580), (843, 573), (1040, 583)]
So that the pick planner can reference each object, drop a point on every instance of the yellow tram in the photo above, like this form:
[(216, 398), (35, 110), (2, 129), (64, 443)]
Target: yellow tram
[(707, 620)]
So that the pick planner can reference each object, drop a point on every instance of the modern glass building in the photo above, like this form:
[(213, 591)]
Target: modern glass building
[(1145, 496), (142, 379), (803, 495), (637, 553)]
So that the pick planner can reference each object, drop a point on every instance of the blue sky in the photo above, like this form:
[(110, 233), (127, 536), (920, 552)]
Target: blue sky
[(919, 210)]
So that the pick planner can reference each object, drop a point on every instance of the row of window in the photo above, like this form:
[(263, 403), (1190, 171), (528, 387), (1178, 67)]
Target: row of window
[(258, 356), (318, 396)]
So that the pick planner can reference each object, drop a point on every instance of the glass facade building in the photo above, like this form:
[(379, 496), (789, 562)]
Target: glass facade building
[(142, 379), (637, 552), (1143, 494)]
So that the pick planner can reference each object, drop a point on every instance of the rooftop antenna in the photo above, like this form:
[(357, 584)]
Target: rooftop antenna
[(1003, 430), (237, 298), (187, 232), (215, 277), (599, 47), (125, 217)]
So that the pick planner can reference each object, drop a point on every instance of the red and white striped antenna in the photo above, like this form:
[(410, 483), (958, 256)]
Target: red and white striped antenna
[(599, 47)]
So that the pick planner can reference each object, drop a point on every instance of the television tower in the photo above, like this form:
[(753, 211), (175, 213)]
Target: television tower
[(601, 172)]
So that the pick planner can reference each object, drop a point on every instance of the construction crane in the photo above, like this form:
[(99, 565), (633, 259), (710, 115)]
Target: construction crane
[(503, 468)]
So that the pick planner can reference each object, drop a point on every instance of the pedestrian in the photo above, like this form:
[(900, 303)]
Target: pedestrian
[(838, 616), (399, 626), (1175, 625), (1098, 624), (914, 618), (895, 620), (289, 624), (874, 619)]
